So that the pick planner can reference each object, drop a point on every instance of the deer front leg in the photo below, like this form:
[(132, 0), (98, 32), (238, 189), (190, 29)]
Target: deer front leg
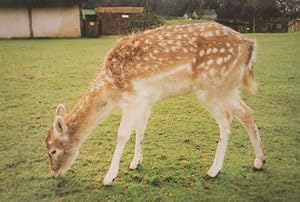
[(130, 117), (140, 130), (124, 133), (224, 120)]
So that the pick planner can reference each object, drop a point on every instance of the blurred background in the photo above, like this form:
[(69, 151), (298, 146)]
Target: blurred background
[(93, 18)]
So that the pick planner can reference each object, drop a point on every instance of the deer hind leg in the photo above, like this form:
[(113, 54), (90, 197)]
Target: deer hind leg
[(130, 117), (224, 119), (218, 107), (139, 137), (245, 115)]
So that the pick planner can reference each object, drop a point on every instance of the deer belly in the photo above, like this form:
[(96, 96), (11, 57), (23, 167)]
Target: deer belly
[(177, 81)]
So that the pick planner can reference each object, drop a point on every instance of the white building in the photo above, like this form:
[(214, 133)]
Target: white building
[(40, 18)]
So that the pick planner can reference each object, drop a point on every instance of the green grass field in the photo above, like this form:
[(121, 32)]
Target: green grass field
[(180, 142)]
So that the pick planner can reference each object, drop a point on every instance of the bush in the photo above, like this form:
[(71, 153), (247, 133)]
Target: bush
[(145, 21)]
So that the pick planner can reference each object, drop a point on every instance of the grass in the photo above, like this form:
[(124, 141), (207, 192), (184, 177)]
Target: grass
[(180, 142)]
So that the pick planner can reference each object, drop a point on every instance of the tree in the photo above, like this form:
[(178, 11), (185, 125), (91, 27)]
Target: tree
[(211, 4)]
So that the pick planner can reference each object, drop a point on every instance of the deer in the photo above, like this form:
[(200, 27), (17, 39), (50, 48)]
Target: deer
[(207, 59)]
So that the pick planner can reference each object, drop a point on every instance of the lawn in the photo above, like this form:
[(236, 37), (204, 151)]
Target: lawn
[(180, 141)]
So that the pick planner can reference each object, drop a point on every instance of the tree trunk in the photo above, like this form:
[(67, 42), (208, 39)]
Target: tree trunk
[(253, 20)]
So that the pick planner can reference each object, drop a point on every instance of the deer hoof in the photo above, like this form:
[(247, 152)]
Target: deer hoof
[(207, 177)]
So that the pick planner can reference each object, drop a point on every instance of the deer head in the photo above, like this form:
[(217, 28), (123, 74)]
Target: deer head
[(61, 151)]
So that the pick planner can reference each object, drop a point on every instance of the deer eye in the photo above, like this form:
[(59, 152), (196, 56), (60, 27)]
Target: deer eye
[(53, 152)]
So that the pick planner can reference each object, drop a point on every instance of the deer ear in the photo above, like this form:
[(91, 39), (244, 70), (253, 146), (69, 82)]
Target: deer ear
[(60, 110), (59, 124)]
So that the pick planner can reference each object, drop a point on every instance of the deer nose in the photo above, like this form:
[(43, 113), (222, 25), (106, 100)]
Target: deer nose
[(55, 174)]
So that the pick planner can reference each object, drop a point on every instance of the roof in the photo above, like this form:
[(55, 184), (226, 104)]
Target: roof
[(119, 9), (39, 3)]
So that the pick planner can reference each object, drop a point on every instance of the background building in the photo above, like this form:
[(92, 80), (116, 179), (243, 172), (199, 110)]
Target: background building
[(40, 18), (115, 20)]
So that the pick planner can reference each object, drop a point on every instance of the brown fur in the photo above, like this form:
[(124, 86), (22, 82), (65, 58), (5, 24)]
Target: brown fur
[(127, 61)]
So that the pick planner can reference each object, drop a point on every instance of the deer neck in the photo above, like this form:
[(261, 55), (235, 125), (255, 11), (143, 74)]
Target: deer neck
[(92, 109)]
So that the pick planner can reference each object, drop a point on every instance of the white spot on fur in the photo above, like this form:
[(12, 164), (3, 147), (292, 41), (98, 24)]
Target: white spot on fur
[(215, 50), (193, 49), (178, 43), (208, 51), (201, 53), (222, 50), (162, 44), (194, 60), (152, 56), (209, 34), (228, 57), (168, 34), (219, 60), (147, 41), (209, 62), (202, 65), (173, 48), (212, 71), (156, 66)]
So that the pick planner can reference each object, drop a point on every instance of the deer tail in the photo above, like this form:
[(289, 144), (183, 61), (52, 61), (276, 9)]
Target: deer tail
[(248, 80)]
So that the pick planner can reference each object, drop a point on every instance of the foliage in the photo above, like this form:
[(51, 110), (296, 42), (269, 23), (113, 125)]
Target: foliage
[(240, 9), (180, 141), (234, 9), (145, 21)]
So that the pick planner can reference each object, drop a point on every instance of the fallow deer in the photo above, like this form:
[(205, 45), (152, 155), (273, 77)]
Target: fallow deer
[(209, 59)]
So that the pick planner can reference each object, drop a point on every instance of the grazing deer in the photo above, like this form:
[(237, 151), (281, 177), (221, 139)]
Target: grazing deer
[(207, 58)]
